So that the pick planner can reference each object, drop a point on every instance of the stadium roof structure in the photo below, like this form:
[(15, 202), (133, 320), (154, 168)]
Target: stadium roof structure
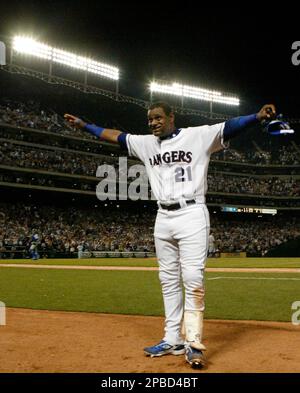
[(20, 46), (23, 45), (114, 95)]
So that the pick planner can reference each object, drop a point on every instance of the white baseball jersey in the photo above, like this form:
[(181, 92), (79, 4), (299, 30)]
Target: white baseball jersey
[(177, 166)]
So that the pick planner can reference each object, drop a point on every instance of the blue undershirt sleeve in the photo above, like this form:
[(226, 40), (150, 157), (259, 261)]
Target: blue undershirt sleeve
[(94, 130), (233, 127)]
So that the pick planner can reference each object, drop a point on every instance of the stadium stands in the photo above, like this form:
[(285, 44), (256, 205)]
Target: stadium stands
[(108, 228), (40, 153)]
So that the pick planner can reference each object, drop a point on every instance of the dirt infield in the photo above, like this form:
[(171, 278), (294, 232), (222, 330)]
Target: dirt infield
[(50, 341)]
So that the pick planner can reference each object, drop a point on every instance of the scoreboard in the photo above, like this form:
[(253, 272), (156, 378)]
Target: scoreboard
[(245, 209)]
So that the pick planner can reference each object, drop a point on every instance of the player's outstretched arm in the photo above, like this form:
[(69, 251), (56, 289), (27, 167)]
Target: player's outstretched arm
[(105, 134), (234, 126)]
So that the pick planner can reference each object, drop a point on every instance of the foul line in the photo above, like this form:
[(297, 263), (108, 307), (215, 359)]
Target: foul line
[(149, 268), (254, 278)]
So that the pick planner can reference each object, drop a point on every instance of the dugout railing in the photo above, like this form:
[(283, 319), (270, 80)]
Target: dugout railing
[(24, 254)]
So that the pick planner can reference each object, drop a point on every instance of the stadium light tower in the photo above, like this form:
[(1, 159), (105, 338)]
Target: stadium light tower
[(29, 46), (197, 93)]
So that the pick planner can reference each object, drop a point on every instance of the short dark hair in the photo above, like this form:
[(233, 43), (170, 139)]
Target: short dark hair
[(161, 104)]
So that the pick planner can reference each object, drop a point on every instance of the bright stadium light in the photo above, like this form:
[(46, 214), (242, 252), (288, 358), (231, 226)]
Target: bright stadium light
[(194, 92), (32, 47)]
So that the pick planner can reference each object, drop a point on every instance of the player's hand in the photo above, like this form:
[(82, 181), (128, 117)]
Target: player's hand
[(74, 121), (267, 112)]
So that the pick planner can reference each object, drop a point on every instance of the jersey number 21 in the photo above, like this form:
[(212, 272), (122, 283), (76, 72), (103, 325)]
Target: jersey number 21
[(183, 174)]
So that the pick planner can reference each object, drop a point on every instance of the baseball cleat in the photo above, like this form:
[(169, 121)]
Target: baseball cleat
[(163, 348), (194, 357)]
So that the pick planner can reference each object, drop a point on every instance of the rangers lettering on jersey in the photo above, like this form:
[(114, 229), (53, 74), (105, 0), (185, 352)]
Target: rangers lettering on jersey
[(170, 157)]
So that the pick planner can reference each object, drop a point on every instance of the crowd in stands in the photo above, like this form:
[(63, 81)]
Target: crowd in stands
[(106, 229), (82, 164), (51, 160), (63, 230), (254, 237), (252, 185), (40, 180), (86, 146), (283, 155), (31, 115)]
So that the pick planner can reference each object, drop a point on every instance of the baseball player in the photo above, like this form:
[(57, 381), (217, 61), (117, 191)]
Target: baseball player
[(33, 249), (176, 161), (80, 249), (211, 245)]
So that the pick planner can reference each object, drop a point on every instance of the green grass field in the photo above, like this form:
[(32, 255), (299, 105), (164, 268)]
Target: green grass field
[(212, 262), (253, 296)]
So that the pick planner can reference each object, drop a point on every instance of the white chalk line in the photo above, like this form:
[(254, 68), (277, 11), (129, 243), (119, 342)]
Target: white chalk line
[(255, 278)]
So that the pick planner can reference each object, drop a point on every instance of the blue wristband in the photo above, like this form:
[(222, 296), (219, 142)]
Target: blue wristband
[(122, 140), (234, 126), (93, 129)]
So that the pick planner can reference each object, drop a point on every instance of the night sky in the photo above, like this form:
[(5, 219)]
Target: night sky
[(246, 50)]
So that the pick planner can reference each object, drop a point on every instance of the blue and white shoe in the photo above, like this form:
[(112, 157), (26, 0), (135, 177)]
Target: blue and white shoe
[(163, 348), (194, 357)]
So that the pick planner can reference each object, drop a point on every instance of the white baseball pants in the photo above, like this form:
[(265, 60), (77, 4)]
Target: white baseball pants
[(181, 241)]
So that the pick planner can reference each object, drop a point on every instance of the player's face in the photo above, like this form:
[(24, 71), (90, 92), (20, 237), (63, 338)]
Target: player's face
[(159, 123)]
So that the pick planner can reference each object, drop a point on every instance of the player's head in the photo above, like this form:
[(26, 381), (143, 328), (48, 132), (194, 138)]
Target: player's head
[(161, 119)]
